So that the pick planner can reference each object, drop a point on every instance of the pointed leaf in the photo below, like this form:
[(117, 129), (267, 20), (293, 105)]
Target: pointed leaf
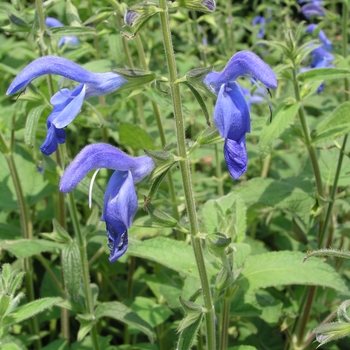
[(166, 252), (337, 124), (286, 268), (189, 333), (282, 117), (324, 74), (24, 248), (29, 310), (31, 125), (122, 313)]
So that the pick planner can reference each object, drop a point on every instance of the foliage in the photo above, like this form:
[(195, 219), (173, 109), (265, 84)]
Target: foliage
[(210, 262)]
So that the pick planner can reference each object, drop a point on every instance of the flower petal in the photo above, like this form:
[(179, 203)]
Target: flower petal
[(120, 206), (102, 155), (53, 22), (63, 67), (67, 110), (236, 157), (120, 201), (310, 10), (231, 113), (244, 63), (54, 136)]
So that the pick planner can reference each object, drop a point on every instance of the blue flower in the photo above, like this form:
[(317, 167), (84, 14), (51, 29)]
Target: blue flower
[(320, 57), (231, 112), (259, 20), (327, 44), (70, 40), (66, 103), (313, 9), (120, 200)]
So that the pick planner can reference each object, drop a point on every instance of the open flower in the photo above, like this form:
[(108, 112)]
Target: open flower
[(66, 103), (312, 9), (69, 40), (120, 201), (231, 112)]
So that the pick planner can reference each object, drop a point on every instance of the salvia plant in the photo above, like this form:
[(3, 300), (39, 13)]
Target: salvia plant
[(174, 175)]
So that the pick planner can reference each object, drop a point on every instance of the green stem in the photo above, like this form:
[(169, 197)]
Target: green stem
[(186, 176), (342, 151), (219, 172), (85, 266), (311, 291), (225, 322), (310, 148), (26, 229), (156, 111)]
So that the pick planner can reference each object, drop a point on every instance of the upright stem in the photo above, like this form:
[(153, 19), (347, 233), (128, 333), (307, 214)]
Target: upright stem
[(26, 229), (345, 14), (161, 132), (310, 148), (85, 266), (186, 177), (310, 291)]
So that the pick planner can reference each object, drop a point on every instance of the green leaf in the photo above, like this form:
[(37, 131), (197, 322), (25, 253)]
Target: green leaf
[(122, 313), (151, 312), (285, 268), (166, 252), (160, 217), (189, 333), (11, 346), (291, 194), (72, 14), (243, 347), (335, 125), (31, 125), (323, 74), (72, 268), (65, 31), (229, 217), (24, 248), (135, 137), (98, 18), (35, 187), (29, 310), (86, 322), (282, 117), (59, 234)]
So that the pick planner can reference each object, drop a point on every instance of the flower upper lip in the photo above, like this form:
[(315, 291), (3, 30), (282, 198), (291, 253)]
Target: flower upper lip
[(68, 69)]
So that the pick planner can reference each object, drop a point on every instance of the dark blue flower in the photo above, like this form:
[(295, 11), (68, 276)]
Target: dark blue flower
[(120, 200), (231, 112), (66, 103), (69, 40)]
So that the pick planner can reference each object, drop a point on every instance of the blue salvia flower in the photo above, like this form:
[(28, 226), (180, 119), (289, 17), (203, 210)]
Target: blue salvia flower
[(327, 44), (69, 40), (231, 112), (320, 57), (66, 103), (313, 9), (259, 20), (120, 200)]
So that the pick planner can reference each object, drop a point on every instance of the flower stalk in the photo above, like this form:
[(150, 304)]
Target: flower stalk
[(186, 176)]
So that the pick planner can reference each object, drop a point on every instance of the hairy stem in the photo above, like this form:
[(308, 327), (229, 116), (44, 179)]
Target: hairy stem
[(85, 267), (186, 176)]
